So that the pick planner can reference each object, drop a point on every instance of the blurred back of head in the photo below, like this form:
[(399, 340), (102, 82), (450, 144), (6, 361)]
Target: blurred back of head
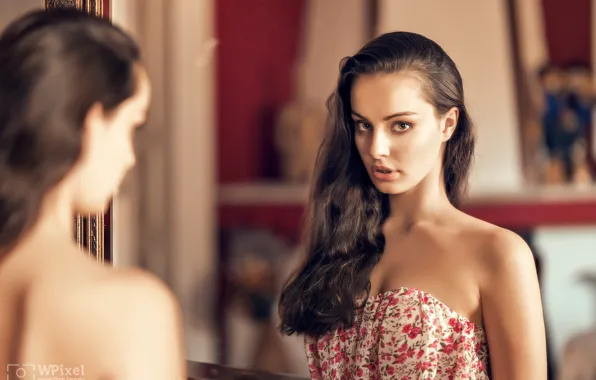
[(55, 66)]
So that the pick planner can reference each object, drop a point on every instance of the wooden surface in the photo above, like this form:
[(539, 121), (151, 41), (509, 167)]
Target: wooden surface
[(205, 371)]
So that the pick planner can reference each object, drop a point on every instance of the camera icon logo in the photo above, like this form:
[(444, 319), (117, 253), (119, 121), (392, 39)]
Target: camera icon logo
[(20, 372)]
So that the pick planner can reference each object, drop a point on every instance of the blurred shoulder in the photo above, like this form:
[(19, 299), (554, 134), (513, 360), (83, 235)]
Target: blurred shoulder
[(145, 286)]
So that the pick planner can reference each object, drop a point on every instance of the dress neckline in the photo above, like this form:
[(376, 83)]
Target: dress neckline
[(406, 289)]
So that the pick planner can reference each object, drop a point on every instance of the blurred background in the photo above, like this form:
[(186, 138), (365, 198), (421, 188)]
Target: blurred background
[(214, 206)]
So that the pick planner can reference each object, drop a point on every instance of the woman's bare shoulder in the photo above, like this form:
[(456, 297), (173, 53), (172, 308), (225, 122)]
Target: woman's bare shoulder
[(497, 250), (511, 303), (118, 318), (100, 288), (487, 234), (149, 328), (489, 245), (123, 296), (147, 288)]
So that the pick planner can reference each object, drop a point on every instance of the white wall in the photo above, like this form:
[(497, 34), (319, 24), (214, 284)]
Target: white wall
[(475, 35), (569, 305), (335, 29)]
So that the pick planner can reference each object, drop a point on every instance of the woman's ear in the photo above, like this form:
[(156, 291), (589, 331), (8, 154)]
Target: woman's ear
[(94, 125), (449, 123), (95, 118)]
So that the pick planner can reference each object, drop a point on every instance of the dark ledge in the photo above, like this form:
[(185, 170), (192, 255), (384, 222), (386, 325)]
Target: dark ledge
[(206, 371)]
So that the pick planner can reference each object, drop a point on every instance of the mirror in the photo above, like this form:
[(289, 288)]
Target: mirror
[(215, 204)]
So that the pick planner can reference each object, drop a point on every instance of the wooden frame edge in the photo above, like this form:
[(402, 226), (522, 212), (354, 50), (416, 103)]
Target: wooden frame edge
[(89, 229)]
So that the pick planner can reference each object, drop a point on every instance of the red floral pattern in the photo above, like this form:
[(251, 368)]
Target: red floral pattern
[(404, 334)]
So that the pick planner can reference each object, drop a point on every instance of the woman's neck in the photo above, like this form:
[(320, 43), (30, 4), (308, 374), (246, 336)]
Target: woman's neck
[(422, 203), (54, 223)]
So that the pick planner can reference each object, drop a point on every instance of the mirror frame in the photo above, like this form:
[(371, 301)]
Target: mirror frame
[(92, 232)]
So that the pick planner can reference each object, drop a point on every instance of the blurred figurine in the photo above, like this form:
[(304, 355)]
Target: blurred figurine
[(551, 106), (568, 133), (581, 99), (581, 175), (254, 263), (299, 134), (581, 93), (551, 83), (566, 115)]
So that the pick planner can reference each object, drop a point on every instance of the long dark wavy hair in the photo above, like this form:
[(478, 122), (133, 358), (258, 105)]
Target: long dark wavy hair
[(54, 66), (344, 240)]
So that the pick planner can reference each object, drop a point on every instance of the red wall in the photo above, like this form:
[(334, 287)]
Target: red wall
[(568, 25), (106, 7), (258, 45)]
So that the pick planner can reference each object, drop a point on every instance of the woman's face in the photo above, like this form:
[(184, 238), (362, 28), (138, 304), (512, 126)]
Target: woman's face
[(397, 132), (108, 148)]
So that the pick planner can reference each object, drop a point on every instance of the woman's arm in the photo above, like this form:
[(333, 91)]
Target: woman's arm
[(512, 310)]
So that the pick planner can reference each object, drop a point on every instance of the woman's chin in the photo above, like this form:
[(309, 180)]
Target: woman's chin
[(390, 187)]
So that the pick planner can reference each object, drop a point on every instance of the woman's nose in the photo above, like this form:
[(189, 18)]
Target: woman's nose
[(379, 146)]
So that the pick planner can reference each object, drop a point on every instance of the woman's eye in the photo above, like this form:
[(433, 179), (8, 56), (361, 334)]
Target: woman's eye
[(362, 126), (402, 126)]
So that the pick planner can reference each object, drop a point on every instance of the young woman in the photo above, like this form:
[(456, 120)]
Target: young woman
[(72, 94), (399, 283)]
